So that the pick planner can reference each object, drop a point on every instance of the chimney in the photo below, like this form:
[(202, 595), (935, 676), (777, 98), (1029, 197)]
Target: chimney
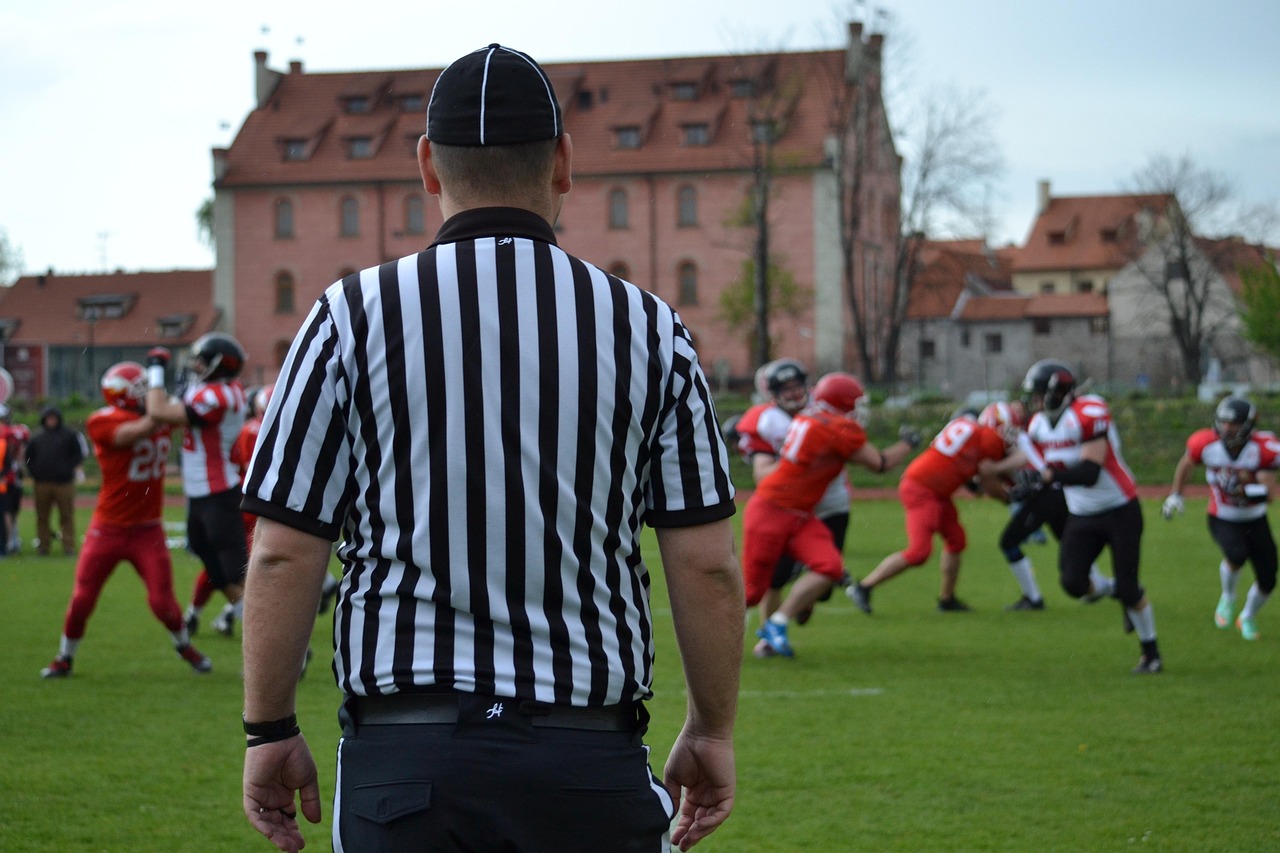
[(264, 79), (853, 53), (295, 66), (1042, 194)]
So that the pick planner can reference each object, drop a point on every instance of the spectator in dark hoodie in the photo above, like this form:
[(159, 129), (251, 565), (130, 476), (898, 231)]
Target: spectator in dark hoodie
[(54, 459)]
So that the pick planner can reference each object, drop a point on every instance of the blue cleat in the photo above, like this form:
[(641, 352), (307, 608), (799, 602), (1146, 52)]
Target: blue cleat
[(776, 636)]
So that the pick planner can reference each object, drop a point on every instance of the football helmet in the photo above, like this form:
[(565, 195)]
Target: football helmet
[(216, 355), (124, 386), (1004, 418), (261, 399), (787, 383), (1051, 383), (1233, 422), (839, 392)]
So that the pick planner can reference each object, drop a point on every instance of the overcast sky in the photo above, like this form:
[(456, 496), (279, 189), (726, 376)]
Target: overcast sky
[(108, 111)]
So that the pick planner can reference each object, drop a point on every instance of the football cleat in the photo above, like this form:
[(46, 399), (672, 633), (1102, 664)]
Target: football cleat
[(60, 668), (199, 662), (763, 649), (1026, 603), (1096, 594), (776, 636), (1148, 666), (225, 623), (952, 605), (860, 596), (1248, 627), (192, 623), (1222, 616)]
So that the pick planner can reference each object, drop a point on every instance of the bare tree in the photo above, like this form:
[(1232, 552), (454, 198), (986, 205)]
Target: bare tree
[(1183, 264), (10, 259)]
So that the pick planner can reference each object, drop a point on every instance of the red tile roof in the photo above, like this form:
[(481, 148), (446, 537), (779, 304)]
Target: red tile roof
[(1087, 232), (947, 267), (597, 98), (44, 307), (1019, 307), (1231, 255)]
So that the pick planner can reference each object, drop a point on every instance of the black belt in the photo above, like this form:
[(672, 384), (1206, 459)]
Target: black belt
[(406, 709)]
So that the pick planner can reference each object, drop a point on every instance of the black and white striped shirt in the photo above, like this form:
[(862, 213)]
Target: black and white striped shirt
[(486, 425)]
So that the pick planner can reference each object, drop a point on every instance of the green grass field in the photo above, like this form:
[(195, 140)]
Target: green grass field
[(906, 730)]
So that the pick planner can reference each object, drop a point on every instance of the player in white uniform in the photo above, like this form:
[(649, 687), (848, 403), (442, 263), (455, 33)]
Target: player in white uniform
[(1240, 466), (1081, 450)]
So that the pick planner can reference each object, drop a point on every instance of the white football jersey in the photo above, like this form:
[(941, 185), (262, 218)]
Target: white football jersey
[(1085, 419), (1225, 473)]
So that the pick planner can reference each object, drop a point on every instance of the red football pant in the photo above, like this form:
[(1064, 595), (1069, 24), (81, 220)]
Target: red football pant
[(107, 547), (769, 531), (927, 514)]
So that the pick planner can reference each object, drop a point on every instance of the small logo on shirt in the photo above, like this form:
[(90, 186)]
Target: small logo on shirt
[(494, 712), (506, 241)]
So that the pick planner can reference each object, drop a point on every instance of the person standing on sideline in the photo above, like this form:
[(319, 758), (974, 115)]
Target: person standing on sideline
[(1240, 465), (212, 410), (487, 425), (962, 450), (54, 459), (779, 518), (760, 433), (1081, 449), (132, 449), (16, 438)]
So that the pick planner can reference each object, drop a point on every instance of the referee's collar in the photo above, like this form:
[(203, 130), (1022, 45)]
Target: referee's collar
[(494, 222)]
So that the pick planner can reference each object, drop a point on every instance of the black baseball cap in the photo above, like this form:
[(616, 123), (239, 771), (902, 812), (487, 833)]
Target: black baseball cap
[(493, 96)]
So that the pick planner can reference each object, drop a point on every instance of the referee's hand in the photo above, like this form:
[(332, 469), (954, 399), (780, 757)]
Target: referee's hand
[(703, 768)]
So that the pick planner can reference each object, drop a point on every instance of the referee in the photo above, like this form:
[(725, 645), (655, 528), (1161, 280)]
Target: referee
[(486, 426)]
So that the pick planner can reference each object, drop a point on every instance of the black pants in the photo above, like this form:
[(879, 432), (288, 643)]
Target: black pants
[(1045, 507), (215, 533), (1083, 539), (495, 784), (1248, 541)]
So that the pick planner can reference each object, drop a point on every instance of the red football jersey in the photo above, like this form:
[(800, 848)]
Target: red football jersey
[(817, 446), (132, 477), (242, 449), (954, 455)]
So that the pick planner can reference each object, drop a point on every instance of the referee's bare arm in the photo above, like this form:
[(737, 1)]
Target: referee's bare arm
[(282, 593), (704, 582)]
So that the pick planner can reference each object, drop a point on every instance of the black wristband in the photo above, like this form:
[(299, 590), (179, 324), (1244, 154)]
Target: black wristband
[(271, 732)]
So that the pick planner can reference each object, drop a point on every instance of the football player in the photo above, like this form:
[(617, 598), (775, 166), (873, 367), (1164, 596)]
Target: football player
[(16, 438), (1081, 453), (132, 449), (1240, 464)]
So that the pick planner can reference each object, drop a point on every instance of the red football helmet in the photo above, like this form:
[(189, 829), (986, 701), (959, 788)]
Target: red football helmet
[(124, 386), (1004, 418), (839, 392)]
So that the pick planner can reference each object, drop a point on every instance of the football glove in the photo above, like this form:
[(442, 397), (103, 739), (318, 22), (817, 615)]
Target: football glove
[(1026, 483), (1172, 506), (910, 435)]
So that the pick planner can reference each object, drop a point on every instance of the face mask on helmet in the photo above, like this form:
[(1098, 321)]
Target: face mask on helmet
[(1049, 386), (124, 386), (215, 356), (1233, 422)]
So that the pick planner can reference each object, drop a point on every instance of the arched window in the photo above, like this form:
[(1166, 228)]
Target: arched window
[(414, 215), (618, 208), (688, 276), (621, 270), (284, 293), (282, 352), (284, 219), (350, 226), (687, 206)]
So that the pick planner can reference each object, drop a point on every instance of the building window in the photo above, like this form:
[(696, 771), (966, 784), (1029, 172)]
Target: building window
[(1099, 325), (1047, 287), (697, 134), (284, 219), (350, 224), (358, 105), (742, 88), (412, 103), (688, 275), (284, 293), (1057, 238), (628, 137), (1086, 286), (618, 217), (684, 91), (1042, 326), (414, 215), (295, 149), (992, 344), (964, 338), (361, 148), (687, 204), (1110, 235), (764, 131), (282, 352), (927, 349)]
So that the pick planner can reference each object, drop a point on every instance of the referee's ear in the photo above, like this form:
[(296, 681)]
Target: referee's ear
[(562, 173), (430, 180)]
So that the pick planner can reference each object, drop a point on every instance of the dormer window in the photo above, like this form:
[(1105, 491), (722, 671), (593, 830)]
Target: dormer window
[(584, 99), (361, 148), (106, 306), (1110, 235), (1057, 238), (412, 103), (743, 88), (628, 137), (684, 91), (697, 134), (357, 105), (295, 149), (174, 326)]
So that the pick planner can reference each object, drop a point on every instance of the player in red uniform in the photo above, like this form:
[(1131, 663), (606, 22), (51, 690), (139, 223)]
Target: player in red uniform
[(964, 449), (779, 517), (16, 438), (1240, 465), (132, 449)]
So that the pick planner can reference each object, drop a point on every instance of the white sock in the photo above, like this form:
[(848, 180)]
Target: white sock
[(67, 647), (778, 619), (1025, 575), (1144, 622), (1229, 578), (193, 610), (1101, 583), (180, 637), (1253, 602)]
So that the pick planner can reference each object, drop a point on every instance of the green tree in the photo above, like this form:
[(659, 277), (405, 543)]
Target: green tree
[(738, 306), (10, 259), (1260, 306), (204, 222)]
